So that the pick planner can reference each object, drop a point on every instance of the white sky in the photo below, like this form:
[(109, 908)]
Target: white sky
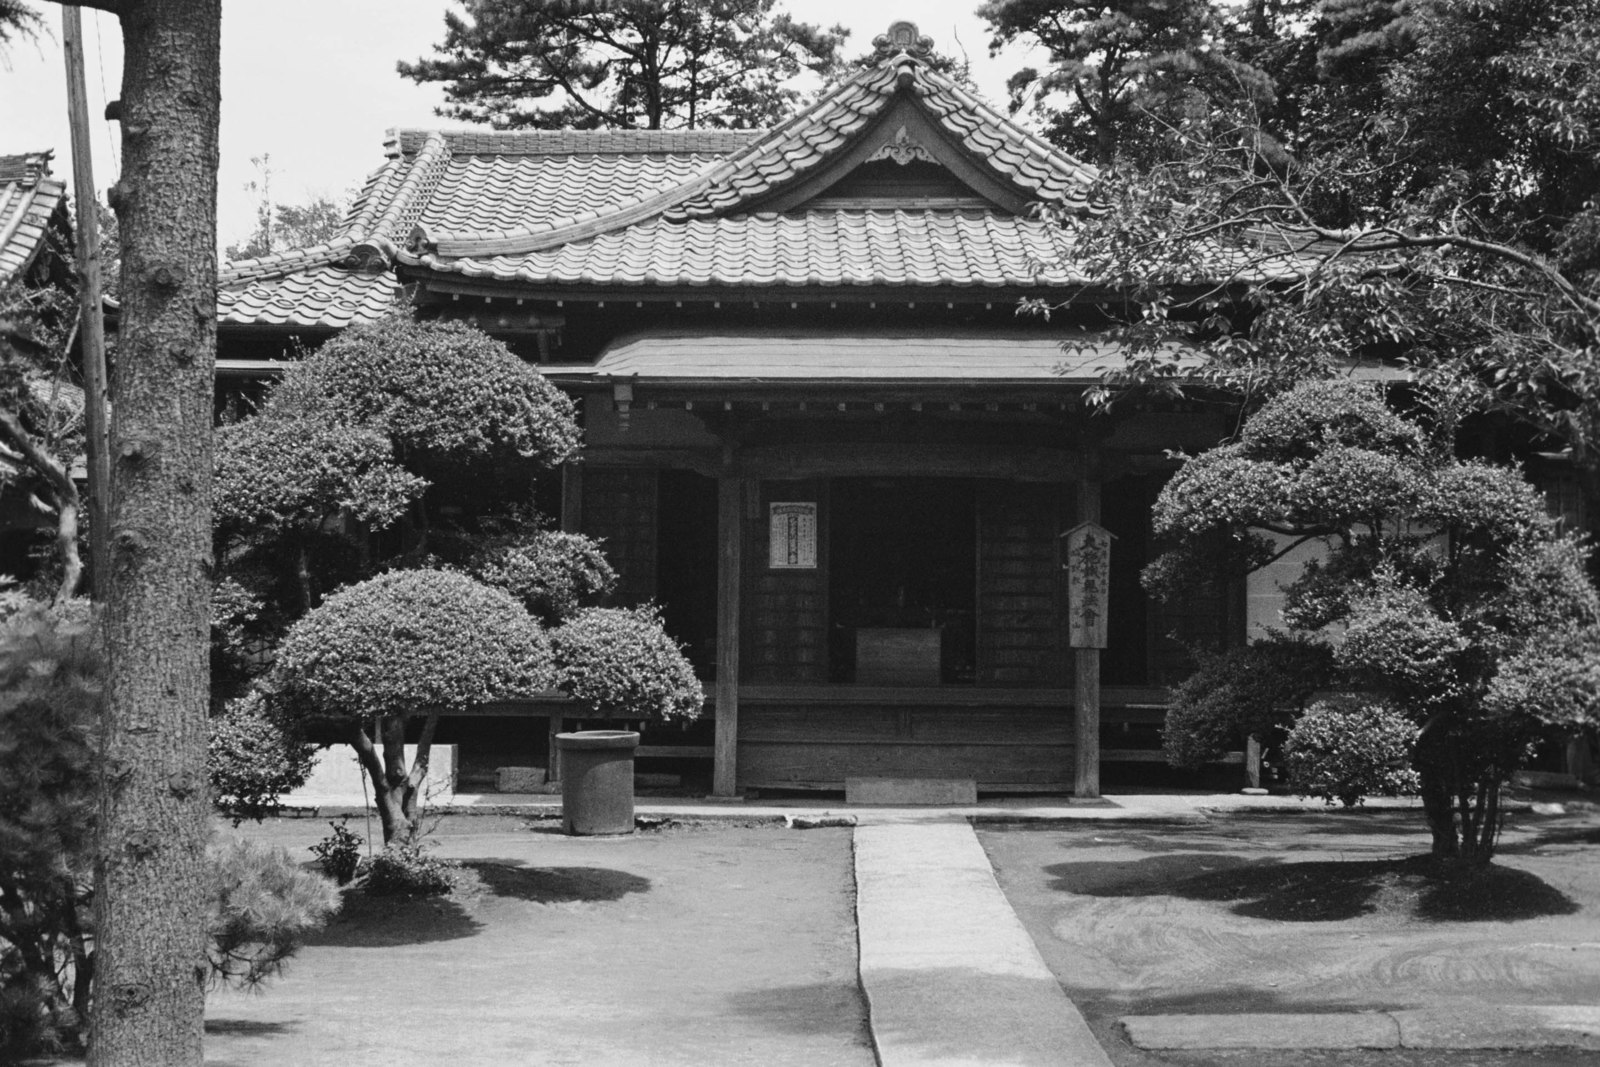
[(312, 84)]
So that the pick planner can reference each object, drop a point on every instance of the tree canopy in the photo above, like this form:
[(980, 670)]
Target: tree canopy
[(1443, 591), (625, 64), (1421, 189), (1118, 64)]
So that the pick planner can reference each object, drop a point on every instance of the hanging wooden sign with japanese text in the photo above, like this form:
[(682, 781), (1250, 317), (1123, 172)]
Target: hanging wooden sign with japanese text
[(1088, 562), (792, 536)]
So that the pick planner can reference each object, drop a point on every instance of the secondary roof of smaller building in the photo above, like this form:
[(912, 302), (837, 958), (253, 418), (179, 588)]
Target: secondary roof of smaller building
[(29, 197)]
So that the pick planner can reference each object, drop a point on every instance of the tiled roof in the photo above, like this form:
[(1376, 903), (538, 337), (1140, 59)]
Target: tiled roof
[(28, 197), (1012, 152), (316, 297), (796, 149), (578, 142), (815, 248), (811, 356), (674, 207), (491, 194)]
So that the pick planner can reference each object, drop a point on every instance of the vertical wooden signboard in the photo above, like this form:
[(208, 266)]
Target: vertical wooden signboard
[(1088, 563), (1088, 559)]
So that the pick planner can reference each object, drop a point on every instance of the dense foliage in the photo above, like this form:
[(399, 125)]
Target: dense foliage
[(445, 394), (356, 458), (261, 902), (1347, 750), (621, 662), (402, 644), (339, 854), (1121, 70), (49, 692), (1420, 186), (407, 869), (1443, 589), (552, 573), (262, 906), (408, 640), (632, 64), (254, 756)]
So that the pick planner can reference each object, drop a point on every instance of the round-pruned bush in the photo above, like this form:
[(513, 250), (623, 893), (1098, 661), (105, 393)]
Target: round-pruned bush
[(410, 640), (444, 390), (254, 756), (409, 870), (551, 572), (622, 662), (1315, 416), (1348, 749)]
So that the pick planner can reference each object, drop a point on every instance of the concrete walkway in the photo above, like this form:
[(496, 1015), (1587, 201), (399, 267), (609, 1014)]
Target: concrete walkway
[(951, 977), (1142, 807)]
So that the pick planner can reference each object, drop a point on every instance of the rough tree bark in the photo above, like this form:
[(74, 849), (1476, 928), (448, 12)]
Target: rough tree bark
[(396, 791), (151, 876)]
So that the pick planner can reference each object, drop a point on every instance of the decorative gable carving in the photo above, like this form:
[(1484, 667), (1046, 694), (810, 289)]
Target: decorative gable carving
[(902, 149), (904, 134)]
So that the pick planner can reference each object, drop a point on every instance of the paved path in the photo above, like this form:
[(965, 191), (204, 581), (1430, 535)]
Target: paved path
[(950, 975)]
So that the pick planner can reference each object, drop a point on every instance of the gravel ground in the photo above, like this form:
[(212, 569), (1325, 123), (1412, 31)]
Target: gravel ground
[(719, 944), (1297, 913)]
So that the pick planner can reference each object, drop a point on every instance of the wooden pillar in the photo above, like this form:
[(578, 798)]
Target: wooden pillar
[(555, 724), (730, 547), (571, 498), (1086, 667)]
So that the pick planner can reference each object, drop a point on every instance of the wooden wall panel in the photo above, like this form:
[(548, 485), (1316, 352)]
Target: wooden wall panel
[(1020, 617), (619, 507), (815, 745), (785, 611)]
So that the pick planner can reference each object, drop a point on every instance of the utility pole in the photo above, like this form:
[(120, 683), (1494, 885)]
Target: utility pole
[(91, 329)]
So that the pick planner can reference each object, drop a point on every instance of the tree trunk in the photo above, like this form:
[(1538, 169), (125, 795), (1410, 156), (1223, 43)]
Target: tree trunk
[(152, 877), (395, 788), (1440, 812), (390, 817)]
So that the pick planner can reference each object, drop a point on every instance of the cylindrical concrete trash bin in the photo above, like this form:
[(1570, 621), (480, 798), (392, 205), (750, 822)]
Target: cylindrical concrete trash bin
[(597, 781)]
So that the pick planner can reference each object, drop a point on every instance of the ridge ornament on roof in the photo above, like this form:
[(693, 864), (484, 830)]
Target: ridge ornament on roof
[(902, 37)]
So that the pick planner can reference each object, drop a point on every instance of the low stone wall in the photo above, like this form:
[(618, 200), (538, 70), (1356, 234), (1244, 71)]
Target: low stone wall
[(337, 774)]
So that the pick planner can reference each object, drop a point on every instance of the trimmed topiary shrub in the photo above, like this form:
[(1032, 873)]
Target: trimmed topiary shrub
[(408, 640), (551, 572), (1344, 750), (1444, 590), (622, 662), (254, 756), (403, 644), (443, 392)]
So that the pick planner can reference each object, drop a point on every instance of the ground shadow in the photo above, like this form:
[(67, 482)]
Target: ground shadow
[(1322, 891), (245, 1028), (554, 885), (1493, 893), (835, 1007), (1538, 839), (385, 922)]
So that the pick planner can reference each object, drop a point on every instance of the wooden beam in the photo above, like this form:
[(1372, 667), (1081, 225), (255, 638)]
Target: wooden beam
[(1086, 663), (730, 546), (822, 460)]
